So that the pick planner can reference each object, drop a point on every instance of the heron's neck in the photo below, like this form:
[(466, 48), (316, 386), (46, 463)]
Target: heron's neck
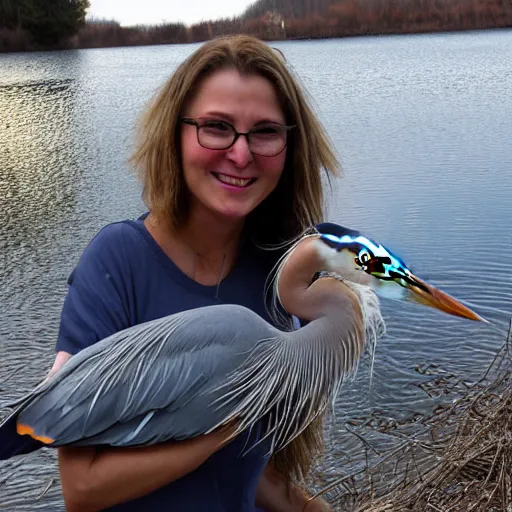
[(336, 321), (300, 297)]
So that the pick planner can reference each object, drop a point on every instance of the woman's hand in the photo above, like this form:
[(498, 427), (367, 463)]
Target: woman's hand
[(219, 438), (317, 505), (60, 360), (276, 493)]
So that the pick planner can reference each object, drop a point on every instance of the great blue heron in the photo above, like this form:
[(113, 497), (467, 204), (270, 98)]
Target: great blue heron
[(185, 374)]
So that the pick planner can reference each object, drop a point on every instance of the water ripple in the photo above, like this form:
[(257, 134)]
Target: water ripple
[(422, 125)]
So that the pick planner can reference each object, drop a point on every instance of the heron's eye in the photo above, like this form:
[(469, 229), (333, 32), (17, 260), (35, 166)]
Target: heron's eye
[(364, 257)]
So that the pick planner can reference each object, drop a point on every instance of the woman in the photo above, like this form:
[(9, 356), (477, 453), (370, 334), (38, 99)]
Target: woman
[(230, 157)]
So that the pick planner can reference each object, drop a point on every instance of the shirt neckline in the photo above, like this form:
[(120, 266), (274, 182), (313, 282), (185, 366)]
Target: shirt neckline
[(176, 273)]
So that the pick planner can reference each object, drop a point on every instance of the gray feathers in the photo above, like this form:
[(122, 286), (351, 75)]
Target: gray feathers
[(183, 375), (294, 377), (169, 366)]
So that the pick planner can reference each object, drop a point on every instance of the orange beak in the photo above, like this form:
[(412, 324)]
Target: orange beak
[(429, 295)]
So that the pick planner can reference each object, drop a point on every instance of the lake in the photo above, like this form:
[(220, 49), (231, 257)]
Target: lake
[(422, 125)]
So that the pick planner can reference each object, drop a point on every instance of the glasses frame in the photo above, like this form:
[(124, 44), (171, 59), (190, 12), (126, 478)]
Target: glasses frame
[(196, 121)]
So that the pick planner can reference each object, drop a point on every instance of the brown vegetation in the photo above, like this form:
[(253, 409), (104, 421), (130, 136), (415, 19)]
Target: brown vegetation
[(297, 19), (15, 39), (458, 459)]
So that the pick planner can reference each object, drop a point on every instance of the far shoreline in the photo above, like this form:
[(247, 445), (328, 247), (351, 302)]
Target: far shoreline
[(375, 34)]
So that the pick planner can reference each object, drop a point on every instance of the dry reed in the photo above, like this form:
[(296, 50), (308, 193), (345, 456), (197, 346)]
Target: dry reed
[(457, 459)]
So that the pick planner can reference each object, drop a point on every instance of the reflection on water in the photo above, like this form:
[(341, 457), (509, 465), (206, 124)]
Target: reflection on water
[(40, 168), (422, 125), (39, 158)]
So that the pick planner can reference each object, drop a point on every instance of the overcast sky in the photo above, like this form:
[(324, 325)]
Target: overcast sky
[(134, 12)]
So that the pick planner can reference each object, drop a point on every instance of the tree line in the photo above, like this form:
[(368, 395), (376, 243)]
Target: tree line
[(29, 24), (40, 23)]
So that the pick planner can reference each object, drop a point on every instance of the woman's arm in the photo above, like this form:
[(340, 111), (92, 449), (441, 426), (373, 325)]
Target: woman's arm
[(60, 359), (276, 493), (94, 479)]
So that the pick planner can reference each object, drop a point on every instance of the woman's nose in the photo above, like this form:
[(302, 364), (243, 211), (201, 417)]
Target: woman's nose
[(239, 153)]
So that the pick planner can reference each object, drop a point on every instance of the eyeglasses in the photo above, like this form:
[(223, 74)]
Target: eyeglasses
[(267, 139)]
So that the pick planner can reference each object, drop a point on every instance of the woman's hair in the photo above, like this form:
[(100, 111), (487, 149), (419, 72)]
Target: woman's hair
[(297, 201)]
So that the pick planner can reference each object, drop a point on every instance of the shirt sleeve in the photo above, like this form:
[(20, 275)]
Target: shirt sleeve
[(96, 304)]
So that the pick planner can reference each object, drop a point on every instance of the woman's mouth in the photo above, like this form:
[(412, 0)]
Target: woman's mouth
[(234, 182)]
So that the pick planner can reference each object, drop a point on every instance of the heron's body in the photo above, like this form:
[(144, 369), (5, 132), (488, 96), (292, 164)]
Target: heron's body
[(182, 375), (157, 390), (185, 374)]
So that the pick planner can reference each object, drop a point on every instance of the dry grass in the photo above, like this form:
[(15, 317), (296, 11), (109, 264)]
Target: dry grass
[(457, 459)]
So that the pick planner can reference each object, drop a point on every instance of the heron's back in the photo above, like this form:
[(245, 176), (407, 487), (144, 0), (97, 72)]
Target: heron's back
[(150, 383)]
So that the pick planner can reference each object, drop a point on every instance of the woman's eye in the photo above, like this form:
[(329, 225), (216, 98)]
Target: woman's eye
[(217, 126), (266, 131)]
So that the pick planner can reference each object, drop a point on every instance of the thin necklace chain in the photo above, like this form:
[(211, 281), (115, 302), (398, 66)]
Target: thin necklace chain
[(220, 275), (196, 254), (221, 271)]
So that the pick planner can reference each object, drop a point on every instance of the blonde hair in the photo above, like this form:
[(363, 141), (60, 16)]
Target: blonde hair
[(297, 201), (295, 204)]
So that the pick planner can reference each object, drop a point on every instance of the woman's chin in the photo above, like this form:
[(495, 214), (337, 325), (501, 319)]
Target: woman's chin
[(233, 215), (234, 211), (225, 208)]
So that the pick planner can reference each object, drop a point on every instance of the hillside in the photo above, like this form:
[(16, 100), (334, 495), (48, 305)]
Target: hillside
[(271, 20), (338, 18)]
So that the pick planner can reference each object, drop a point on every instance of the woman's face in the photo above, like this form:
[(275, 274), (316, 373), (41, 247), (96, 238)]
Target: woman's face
[(231, 182)]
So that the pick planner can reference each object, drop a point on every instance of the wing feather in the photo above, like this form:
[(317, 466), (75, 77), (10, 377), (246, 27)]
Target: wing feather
[(104, 394)]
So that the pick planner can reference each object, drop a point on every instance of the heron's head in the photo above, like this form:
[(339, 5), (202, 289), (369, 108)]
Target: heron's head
[(361, 260)]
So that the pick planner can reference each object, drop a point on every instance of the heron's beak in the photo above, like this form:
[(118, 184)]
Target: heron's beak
[(424, 293)]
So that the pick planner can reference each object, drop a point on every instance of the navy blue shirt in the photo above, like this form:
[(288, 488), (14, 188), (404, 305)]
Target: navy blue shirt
[(124, 278)]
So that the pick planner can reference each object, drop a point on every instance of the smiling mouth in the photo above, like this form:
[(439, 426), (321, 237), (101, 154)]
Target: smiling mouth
[(234, 182)]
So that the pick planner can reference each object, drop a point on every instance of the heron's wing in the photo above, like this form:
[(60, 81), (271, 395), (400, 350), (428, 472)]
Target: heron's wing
[(128, 377), (11, 443), (292, 378)]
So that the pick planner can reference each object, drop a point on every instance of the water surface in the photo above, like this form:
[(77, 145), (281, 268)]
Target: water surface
[(422, 125)]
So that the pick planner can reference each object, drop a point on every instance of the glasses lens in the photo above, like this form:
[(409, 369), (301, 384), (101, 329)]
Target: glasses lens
[(216, 134), (268, 140)]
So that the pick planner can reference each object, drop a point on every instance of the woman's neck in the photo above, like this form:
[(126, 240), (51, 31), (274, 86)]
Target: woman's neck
[(209, 236), (203, 248)]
